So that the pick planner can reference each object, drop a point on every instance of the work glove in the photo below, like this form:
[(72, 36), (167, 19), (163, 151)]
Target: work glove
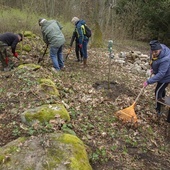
[(80, 45), (145, 84), (15, 55), (6, 60)]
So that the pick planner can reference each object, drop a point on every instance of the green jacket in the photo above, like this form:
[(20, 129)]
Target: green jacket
[(52, 34)]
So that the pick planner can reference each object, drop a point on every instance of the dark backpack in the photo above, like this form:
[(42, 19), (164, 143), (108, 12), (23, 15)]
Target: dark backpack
[(87, 31)]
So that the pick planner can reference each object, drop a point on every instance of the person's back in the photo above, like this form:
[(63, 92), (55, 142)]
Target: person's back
[(54, 38), (8, 39), (52, 33)]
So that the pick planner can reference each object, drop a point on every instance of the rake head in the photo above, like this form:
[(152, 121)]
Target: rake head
[(127, 115)]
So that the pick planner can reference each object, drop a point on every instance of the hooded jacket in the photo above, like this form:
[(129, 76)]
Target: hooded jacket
[(80, 30), (161, 67), (52, 34)]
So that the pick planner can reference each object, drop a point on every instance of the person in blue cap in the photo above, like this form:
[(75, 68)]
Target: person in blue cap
[(160, 65)]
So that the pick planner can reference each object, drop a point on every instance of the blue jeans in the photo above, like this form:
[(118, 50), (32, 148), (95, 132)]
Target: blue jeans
[(57, 57), (84, 48)]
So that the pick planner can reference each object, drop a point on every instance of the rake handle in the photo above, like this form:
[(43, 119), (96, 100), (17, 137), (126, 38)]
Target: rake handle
[(139, 94)]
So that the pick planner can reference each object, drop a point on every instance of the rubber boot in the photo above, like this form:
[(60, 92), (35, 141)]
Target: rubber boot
[(168, 118), (85, 62)]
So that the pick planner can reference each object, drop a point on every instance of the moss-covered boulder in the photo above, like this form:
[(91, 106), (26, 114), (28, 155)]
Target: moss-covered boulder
[(48, 86), (26, 48), (29, 66), (51, 151), (45, 113), (29, 34)]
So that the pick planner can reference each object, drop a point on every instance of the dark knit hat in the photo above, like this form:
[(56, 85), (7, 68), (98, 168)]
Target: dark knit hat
[(155, 45)]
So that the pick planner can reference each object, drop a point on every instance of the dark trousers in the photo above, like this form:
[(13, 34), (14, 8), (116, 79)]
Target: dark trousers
[(78, 51), (168, 118), (160, 92), (84, 48), (3, 58)]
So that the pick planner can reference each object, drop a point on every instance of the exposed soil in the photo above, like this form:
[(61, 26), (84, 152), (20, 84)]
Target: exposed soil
[(92, 102)]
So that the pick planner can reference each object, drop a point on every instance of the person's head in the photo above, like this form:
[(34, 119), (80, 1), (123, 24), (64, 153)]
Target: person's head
[(155, 47), (75, 20), (40, 21), (20, 36)]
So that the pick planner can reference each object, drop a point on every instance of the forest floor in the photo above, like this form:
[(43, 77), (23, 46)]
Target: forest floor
[(92, 102)]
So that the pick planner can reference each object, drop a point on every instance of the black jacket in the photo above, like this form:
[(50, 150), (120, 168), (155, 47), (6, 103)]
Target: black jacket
[(10, 39), (74, 37)]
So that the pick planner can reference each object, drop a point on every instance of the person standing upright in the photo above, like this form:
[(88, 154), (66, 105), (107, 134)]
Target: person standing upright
[(54, 38), (78, 50), (83, 39)]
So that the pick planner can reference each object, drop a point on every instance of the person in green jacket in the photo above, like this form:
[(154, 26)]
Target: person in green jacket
[(54, 38)]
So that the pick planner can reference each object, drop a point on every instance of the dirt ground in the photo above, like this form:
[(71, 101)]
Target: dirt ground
[(92, 102)]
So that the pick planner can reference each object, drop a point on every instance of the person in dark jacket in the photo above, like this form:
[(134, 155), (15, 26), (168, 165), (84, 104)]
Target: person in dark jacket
[(83, 40), (77, 48), (54, 38), (8, 39), (160, 64)]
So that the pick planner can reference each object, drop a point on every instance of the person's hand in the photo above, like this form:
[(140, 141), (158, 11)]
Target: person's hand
[(15, 55), (149, 73), (80, 45), (145, 84)]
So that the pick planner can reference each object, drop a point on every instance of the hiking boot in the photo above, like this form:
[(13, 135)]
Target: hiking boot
[(54, 70), (78, 60), (7, 69), (63, 68), (168, 117), (159, 115), (85, 62)]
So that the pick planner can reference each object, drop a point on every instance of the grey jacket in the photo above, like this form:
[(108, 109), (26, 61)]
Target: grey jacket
[(52, 34)]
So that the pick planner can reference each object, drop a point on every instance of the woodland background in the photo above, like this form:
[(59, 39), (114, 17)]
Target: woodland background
[(91, 104), (141, 20)]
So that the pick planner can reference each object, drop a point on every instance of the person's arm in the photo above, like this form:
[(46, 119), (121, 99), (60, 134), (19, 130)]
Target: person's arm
[(73, 38), (163, 67), (14, 44)]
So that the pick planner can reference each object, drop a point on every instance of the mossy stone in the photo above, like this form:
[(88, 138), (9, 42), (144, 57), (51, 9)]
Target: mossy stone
[(49, 87), (45, 113)]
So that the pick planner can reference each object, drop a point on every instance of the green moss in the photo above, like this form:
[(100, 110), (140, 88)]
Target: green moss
[(49, 87), (2, 157), (97, 37), (26, 48), (10, 150), (56, 156), (76, 160), (79, 158), (29, 66), (48, 112), (29, 34)]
